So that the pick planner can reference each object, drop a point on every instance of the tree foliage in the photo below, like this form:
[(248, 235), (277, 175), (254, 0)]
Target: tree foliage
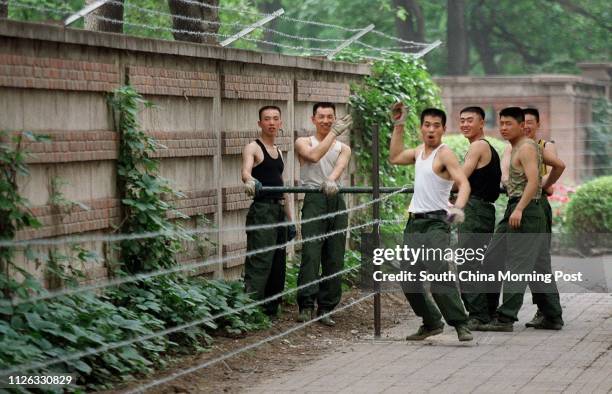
[(398, 79), (507, 37)]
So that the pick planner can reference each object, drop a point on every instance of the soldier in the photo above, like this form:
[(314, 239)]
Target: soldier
[(436, 169), (482, 168), (517, 242), (323, 159), (263, 165), (543, 265)]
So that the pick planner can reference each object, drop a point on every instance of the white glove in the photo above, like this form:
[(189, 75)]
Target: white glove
[(398, 114), (342, 125), (252, 187), (455, 215), (329, 188)]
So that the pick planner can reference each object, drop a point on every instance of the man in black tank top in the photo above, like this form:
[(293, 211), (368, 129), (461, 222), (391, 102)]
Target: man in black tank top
[(482, 168), (262, 165)]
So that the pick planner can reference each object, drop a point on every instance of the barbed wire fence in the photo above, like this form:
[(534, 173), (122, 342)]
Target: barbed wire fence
[(150, 21)]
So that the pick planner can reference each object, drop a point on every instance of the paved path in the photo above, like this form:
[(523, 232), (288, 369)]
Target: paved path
[(575, 359)]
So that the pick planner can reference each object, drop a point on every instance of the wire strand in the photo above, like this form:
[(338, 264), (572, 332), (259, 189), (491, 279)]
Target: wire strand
[(167, 271), (205, 364), (115, 345)]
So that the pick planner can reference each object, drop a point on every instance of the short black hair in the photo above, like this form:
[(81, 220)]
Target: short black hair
[(323, 104), (475, 110), (434, 112), (513, 112), (532, 111), (267, 107)]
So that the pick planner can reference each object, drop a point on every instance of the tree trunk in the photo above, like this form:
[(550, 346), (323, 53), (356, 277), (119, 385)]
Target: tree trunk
[(413, 28), (480, 32), (4, 9), (485, 51), (110, 11), (199, 30), (457, 38), (268, 7)]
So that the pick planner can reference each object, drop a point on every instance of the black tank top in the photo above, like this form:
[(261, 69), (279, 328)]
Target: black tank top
[(484, 181), (269, 172)]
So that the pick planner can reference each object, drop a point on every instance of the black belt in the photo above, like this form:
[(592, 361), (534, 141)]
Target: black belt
[(516, 199), (269, 200), (480, 199), (428, 215)]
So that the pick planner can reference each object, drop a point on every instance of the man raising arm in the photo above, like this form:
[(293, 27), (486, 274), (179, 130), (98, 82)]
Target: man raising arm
[(437, 169), (323, 160)]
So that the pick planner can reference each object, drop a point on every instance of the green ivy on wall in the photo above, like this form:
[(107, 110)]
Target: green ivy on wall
[(399, 78)]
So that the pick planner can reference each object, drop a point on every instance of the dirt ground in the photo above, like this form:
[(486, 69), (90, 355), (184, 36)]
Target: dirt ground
[(282, 355)]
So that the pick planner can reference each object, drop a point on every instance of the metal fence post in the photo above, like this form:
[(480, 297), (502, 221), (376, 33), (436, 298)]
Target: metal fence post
[(376, 218)]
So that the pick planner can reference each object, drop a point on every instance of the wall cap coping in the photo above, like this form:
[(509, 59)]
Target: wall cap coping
[(550, 79)]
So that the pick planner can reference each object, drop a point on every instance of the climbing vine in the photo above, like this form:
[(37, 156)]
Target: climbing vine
[(142, 191), (14, 212), (398, 78), (58, 327)]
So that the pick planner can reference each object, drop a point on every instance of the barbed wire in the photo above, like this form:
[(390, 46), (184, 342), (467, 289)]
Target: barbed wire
[(203, 33), (168, 271), (219, 23), (184, 326), (187, 232), (234, 24), (205, 364), (223, 7)]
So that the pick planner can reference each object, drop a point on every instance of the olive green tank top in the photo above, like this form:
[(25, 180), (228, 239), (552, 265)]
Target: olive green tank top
[(517, 179)]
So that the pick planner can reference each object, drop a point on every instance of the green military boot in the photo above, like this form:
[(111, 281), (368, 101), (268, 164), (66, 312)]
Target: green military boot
[(546, 324), (474, 324), (537, 319), (424, 332), (498, 325), (304, 315), (326, 320), (463, 333)]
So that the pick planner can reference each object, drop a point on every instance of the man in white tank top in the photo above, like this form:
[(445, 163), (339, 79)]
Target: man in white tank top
[(323, 159), (428, 226)]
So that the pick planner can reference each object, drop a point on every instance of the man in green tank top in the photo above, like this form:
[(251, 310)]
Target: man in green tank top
[(543, 265), (519, 237)]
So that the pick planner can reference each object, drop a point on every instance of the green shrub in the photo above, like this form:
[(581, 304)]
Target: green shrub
[(590, 208)]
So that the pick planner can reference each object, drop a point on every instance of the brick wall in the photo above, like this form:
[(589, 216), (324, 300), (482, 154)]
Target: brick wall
[(56, 81)]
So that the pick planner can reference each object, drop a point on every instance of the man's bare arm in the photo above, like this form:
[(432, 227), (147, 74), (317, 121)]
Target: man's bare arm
[(314, 154), (398, 154), (248, 159), (457, 175), (473, 156), (557, 167), (341, 163), (505, 164), (528, 158)]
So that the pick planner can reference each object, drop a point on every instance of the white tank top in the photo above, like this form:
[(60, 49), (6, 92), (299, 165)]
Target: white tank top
[(314, 174), (431, 191)]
